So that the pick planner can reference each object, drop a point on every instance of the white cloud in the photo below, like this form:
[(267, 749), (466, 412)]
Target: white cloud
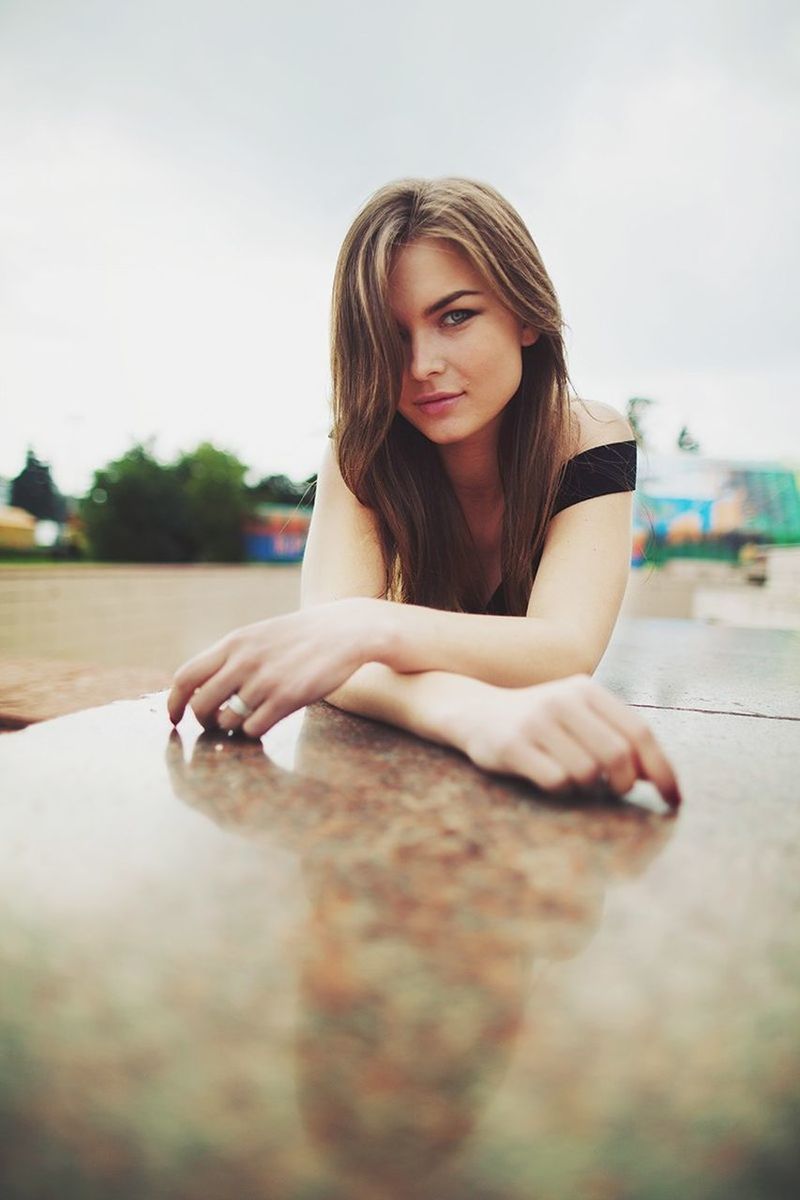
[(177, 178), (137, 303)]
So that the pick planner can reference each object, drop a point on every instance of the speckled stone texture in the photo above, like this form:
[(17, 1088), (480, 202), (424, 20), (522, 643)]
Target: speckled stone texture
[(39, 689), (712, 668), (343, 964)]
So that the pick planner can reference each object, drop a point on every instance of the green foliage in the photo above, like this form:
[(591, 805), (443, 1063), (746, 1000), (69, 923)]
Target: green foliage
[(136, 511), (212, 483), (635, 410), (686, 442), (724, 547), (34, 491), (191, 510), (279, 489)]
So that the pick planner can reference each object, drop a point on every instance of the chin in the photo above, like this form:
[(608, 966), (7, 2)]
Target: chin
[(444, 437), (456, 433)]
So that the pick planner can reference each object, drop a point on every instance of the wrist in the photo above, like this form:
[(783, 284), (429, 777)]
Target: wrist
[(372, 628), (383, 626), (459, 708)]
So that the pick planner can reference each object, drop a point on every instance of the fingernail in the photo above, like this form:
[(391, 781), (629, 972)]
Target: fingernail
[(673, 798)]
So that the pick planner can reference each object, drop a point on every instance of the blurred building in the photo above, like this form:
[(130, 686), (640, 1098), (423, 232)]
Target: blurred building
[(17, 529), (693, 507), (277, 533)]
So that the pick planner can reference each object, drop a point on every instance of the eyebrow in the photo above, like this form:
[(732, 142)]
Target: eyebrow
[(443, 303)]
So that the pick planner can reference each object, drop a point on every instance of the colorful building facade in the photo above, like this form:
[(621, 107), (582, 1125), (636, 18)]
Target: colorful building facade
[(277, 533), (688, 506)]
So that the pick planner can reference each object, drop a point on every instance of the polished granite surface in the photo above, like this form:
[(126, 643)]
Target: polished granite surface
[(342, 964), (712, 668)]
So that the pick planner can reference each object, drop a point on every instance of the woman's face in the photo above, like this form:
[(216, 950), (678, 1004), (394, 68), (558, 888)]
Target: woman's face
[(463, 346)]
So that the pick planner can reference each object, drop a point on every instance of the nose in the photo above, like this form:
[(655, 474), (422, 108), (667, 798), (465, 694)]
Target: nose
[(425, 357)]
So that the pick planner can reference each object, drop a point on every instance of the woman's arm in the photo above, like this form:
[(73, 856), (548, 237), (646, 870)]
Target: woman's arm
[(570, 731), (562, 734), (571, 612), (280, 664), (554, 734), (567, 733)]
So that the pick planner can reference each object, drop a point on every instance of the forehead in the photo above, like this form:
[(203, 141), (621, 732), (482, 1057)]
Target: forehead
[(427, 270)]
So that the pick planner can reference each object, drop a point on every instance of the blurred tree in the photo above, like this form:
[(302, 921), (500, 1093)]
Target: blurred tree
[(136, 511), (34, 491), (309, 487), (193, 510), (280, 489), (635, 411), (686, 442), (216, 502)]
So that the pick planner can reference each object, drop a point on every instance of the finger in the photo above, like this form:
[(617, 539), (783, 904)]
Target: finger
[(227, 720), (208, 699), (250, 694), (267, 714), (615, 754), (559, 740), (540, 767), (299, 684), (279, 703), (190, 676), (653, 762)]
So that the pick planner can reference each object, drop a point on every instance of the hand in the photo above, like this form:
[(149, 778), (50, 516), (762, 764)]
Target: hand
[(568, 733), (279, 665)]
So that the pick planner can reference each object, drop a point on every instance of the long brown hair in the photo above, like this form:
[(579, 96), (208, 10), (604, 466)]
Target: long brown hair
[(388, 464)]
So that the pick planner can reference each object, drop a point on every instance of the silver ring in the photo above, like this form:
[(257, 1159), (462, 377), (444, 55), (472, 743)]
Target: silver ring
[(236, 704)]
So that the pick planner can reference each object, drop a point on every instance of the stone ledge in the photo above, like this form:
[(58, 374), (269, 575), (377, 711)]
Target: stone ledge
[(38, 689)]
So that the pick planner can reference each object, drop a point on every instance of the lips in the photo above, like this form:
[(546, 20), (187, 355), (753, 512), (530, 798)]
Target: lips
[(437, 403), (436, 397)]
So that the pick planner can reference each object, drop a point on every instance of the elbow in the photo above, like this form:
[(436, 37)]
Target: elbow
[(583, 659), (586, 658), (581, 649), (569, 655), (577, 663)]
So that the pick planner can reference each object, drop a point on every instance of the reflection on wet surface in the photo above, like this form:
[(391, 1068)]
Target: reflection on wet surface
[(428, 913), (345, 964)]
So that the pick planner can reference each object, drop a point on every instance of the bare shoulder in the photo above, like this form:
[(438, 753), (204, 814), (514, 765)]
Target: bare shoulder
[(335, 502), (329, 472), (343, 555), (598, 424), (331, 483)]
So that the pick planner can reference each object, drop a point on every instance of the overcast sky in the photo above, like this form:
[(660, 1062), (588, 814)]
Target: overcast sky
[(176, 177)]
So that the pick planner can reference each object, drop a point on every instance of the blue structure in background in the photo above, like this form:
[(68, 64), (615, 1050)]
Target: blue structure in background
[(277, 533)]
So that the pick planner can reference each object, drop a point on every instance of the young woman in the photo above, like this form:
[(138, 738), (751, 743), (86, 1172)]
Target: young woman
[(471, 536)]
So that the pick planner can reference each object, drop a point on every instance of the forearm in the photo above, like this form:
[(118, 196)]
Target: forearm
[(504, 651), (561, 734), (431, 704)]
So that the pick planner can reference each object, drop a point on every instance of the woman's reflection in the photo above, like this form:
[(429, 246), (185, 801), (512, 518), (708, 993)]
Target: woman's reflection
[(433, 890)]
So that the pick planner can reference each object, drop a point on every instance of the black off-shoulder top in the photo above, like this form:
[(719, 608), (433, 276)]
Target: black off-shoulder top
[(599, 471)]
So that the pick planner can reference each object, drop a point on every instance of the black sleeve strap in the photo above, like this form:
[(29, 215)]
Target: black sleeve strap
[(599, 471)]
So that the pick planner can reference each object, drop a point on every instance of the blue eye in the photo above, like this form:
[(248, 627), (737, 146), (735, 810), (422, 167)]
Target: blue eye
[(457, 316)]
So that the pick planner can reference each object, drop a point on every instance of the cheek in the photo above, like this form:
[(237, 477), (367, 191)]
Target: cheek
[(499, 366), (405, 393)]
